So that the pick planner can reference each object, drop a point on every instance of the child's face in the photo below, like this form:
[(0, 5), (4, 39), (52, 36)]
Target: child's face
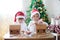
[(20, 20), (36, 17)]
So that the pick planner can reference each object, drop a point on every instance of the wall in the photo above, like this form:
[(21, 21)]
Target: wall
[(53, 7), (8, 8)]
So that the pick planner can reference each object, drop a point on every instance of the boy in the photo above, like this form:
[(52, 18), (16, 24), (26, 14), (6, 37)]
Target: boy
[(35, 16), (20, 19)]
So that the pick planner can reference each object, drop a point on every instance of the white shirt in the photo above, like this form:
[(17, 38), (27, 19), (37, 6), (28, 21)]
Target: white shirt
[(23, 26), (32, 27)]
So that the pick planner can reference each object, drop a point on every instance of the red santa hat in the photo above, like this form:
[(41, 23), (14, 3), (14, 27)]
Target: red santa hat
[(19, 15), (34, 11)]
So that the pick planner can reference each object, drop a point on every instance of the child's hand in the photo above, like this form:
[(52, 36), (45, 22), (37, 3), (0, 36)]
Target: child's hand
[(28, 32)]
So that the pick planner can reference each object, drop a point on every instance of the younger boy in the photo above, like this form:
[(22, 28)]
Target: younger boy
[(20, 19)]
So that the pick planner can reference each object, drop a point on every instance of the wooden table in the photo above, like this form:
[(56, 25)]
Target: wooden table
[(35, 37)]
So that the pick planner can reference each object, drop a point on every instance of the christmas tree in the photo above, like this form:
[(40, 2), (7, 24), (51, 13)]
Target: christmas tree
[(38, 4)]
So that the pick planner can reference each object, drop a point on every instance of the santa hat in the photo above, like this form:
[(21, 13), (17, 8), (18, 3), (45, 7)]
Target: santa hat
[(33, 12), (19, 15)]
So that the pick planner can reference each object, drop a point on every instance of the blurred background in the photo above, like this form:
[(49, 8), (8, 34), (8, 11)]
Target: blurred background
[(8, 8)]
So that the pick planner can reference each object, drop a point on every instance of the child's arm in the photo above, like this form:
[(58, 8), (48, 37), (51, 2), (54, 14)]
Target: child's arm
[(32, 27), (42, 22), (45, 23)]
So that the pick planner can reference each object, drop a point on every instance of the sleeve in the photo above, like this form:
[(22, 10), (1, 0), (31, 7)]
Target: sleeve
[(45, 23), (25, 27), (32, 28)]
